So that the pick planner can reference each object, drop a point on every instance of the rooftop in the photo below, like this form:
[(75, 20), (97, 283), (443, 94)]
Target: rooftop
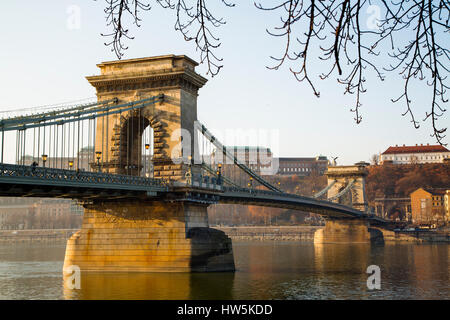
[(416, 149), (293, 159), (435, 191)]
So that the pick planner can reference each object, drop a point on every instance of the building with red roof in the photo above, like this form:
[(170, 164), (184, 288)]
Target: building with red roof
[(415, 154)]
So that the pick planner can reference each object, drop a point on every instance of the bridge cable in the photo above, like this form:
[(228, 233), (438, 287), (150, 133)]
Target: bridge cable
[(71, 137), (345, 190), (19, 122), (242, 166), (3, 142), (321, 192), (87, 114), (55, 114)]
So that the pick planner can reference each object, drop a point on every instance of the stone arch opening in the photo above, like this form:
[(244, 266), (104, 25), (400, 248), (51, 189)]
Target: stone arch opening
[(396, 213), (131, 153)]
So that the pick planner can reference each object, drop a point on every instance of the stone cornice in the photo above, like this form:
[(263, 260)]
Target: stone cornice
[(159, 78), (145, 59)]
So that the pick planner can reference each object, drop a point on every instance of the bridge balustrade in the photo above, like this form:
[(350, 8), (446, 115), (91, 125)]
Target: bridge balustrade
[(10, 170)]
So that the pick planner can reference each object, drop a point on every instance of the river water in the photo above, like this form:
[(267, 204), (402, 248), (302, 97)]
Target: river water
[(265, 270)]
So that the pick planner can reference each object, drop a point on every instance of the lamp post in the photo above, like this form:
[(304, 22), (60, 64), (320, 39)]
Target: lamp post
[(44, 159), (219, 174), (190, 164), (98, 154), (147, 146), (250, 183), (70, 164)]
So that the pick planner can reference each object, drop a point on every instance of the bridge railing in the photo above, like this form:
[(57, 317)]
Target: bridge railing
[(266, 192), (201, 181), (52, 174), (258, 192)]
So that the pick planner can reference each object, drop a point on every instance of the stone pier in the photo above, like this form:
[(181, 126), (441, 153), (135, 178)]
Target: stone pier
[(148, 237), (344, 231)]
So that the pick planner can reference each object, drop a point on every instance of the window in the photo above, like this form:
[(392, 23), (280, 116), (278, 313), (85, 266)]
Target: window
[(423, 203)]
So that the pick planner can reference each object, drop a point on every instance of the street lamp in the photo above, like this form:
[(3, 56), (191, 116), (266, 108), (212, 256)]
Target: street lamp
[(250, 183), (147, 146), (70, 164), (219, 174), (44, 159), (98, 154)]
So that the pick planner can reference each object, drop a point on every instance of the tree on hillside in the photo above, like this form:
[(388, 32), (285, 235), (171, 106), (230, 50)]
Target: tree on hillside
[(400, 180), (374, 160), (411, 181), (413, 31)]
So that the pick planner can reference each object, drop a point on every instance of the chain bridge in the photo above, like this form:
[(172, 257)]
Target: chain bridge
[(145, 170)]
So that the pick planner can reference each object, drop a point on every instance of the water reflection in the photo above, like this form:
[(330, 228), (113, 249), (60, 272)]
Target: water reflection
[(151, 286), (265, 270), (342, 258)]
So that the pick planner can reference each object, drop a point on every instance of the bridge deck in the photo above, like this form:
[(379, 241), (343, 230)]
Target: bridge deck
[(28, 181)]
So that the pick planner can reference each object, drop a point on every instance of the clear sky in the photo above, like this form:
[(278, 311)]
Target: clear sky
[(43, 61)]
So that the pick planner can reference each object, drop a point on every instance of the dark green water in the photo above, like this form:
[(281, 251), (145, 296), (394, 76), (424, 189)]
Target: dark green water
[(265, 270)]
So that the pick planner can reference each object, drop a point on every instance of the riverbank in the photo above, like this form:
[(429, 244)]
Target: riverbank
[(434, 236), (36, 235), (280, 233), (245, 233)]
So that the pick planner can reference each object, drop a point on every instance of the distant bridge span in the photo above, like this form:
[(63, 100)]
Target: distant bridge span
[(295, 202)]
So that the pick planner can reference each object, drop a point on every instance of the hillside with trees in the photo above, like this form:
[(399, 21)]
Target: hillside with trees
[(401, 180)]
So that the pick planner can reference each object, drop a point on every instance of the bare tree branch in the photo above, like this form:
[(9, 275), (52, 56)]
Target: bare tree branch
[(116, 11), (194, 20), (334, 28)]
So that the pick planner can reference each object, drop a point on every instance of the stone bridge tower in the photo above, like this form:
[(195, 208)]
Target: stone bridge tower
[(119, 136), (347, 186), (350, 181), (149, 234)]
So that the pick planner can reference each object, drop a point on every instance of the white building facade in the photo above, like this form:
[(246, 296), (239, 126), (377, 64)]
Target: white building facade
[(415, 154)]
